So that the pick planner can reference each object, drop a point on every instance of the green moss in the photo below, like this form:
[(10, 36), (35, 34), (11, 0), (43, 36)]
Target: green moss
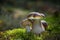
[(20, 34)]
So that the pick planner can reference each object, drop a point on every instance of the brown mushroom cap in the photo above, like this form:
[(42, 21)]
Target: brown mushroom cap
[(44, 23), (35, 15), (26, 22)]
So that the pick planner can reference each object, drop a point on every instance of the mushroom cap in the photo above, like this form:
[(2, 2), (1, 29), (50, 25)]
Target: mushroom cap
[(26, 22), (35, 15), (44, 23)]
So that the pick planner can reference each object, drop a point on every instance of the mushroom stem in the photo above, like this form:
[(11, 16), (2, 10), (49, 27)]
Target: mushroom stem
[(28, 28), (37, 28)]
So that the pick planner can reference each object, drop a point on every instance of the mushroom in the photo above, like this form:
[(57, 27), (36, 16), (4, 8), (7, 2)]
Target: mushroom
[(26, 24), (34, 23), (44, 24), (37, 24)]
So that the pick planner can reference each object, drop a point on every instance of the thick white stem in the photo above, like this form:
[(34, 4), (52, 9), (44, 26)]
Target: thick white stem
[(37, 27)]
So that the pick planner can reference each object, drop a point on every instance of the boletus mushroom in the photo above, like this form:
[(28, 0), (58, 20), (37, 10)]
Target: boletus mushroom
[(34, 23), (38, 25)]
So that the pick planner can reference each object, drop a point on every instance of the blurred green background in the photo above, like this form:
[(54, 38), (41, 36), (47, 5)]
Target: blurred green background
[(13, 11)]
